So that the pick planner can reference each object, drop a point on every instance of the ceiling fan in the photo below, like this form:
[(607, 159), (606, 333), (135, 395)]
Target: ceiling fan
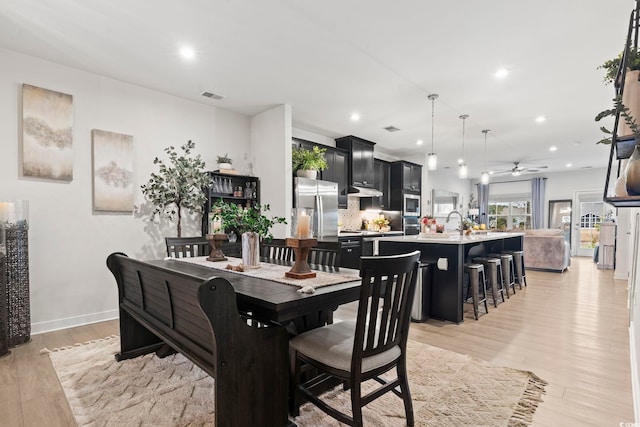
[(517, 170)]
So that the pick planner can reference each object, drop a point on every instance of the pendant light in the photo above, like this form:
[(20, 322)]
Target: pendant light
[(462, 168), (484, 176), (432, 157)]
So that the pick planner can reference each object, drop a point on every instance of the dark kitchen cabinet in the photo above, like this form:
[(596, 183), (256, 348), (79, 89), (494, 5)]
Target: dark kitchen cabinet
[(361, 172), (406, 177), (382, 182), (337, 167), (237, 189), (350, 252)]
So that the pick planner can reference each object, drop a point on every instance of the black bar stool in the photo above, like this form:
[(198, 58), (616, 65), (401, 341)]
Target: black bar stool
[(508, 272), (518, 260), (478, 285), (494, 269)]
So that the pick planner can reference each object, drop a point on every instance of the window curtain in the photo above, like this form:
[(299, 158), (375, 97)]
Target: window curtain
[(537, 202), (483, 203)]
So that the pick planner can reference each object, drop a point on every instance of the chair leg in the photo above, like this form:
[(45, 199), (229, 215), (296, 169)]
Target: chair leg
[(404, 388), (295, 404), (356, 404)]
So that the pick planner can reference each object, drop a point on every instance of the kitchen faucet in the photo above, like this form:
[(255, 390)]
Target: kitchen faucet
[(460, 215)]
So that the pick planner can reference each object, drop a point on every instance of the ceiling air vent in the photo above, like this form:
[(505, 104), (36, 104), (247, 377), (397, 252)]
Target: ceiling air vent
[(391, 129), (211, 95)]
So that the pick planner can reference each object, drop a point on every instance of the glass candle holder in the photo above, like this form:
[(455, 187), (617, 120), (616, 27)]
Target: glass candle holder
[(15, 214), (302, 223)]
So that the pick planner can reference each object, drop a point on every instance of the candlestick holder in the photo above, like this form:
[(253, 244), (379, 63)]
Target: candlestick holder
[(215, 241), (301, 247)]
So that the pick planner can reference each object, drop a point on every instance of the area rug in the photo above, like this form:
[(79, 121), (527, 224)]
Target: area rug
[(448, 389)]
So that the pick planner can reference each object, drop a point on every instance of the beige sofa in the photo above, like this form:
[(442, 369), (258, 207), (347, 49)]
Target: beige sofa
[(546, 249)]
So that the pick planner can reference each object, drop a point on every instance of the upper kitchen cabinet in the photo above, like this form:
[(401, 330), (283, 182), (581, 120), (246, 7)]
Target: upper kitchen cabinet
[(361, 173), (337, 167), (406, 177), (382, 182), (337, 171)]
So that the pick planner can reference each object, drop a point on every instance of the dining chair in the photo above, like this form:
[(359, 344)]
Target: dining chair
[(276, 249), (326, 254), (353, 352), (187, 247)]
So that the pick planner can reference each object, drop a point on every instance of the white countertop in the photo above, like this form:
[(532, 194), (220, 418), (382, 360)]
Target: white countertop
[(450, 238), (369, 233)]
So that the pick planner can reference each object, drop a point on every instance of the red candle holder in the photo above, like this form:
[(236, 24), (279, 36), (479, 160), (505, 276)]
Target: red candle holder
[(301, 247), (215, 241)]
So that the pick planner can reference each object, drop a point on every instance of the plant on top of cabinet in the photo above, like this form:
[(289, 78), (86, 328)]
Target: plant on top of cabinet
[(224, 162), (308, 160), (178, 185)]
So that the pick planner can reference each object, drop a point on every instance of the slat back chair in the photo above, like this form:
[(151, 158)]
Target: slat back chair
[(325, 254), (187, 247), (276, 249), (354, 352)]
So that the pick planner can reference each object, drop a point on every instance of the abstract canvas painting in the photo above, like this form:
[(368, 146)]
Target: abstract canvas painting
[(47, 127), (112, 171)]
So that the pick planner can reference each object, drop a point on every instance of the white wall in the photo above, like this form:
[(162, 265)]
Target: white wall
[(68, 244), (271, 149)]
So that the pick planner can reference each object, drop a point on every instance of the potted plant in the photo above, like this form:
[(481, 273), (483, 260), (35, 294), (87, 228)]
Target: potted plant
[(179, 184), (307, 163), (628, 107), (224, 162), (250, 223)]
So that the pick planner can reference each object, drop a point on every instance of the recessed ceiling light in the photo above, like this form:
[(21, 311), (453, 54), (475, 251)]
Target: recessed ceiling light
[(419, 142), (355, 117), (501, 73), (553, 148), (187, 52), (541, 119), (569, 165), (460, 161)]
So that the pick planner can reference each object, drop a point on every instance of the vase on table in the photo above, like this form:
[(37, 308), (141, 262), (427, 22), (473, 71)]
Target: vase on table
[(251, 249), (632, 173)]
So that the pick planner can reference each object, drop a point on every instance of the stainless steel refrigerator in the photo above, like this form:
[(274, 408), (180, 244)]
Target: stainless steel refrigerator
[(322, 197)]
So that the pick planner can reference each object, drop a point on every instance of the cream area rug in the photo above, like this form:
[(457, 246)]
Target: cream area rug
[(448, 389)]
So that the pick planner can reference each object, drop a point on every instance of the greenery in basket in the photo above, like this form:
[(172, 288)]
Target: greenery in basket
[(303, 159), (611, 67), (244, 220), (224, 159), (179, 184)]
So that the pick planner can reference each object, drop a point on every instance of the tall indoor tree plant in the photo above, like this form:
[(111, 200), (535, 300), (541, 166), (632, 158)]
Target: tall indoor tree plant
[(179, 184)]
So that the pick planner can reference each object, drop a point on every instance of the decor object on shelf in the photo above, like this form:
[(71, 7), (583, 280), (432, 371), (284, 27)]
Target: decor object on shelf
[(249, 221), (178, 185), (224, 162), (301, 247), (462, 167), (47, 133), (112, 171), (14, 220), (432, 157), (307, 163), (484, 176)]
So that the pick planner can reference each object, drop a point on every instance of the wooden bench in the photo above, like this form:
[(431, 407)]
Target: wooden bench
[(162, 309)]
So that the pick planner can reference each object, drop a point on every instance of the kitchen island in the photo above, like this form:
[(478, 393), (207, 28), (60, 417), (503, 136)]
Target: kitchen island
[(448, 253)]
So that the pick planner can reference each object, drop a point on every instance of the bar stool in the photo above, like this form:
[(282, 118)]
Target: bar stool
[(494, 269), (508, 272), (518, 260), (478, 287)]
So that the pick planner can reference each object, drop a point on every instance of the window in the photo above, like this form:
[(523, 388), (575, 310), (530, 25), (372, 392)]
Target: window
[(506, 215), (590, 221)]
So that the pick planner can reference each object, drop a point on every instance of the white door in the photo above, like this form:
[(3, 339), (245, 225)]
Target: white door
[(589, 213)]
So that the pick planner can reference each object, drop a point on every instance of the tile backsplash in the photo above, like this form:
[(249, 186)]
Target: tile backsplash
[(350, 218)]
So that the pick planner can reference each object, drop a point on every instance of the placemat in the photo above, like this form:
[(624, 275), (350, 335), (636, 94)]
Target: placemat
[(273, 272)]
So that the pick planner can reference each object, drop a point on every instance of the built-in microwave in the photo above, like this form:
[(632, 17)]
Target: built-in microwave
[(411, 205)]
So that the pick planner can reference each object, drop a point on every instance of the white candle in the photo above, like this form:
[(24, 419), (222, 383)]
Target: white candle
[(304, 226), (217, 225), (7, 212)]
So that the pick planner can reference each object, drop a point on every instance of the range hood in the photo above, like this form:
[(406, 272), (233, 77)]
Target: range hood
[(355, 191)]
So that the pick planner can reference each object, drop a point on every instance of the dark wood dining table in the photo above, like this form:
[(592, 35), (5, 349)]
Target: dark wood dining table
[(270, 301)]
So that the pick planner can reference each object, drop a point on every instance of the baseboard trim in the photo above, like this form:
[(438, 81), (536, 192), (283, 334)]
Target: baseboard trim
[(70, 322), (635, 384), (621, 275)]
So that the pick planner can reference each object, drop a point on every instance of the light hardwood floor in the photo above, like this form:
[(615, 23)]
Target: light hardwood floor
[(570, 329)]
